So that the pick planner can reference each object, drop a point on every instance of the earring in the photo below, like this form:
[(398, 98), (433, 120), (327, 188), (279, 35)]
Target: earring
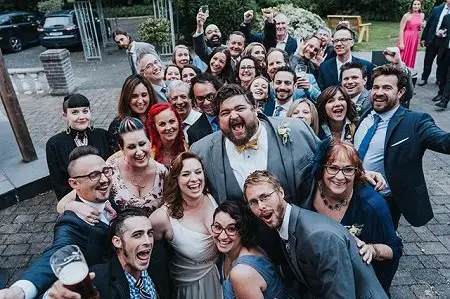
[(91, 127), (68, 130)]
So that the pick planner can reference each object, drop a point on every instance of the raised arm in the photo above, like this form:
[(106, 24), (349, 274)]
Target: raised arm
[(200, 47)]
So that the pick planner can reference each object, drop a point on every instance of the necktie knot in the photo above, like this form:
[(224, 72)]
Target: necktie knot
[(252, 144), (278, 109)]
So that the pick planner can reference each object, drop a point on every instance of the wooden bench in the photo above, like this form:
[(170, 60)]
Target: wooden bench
[(355, 23)]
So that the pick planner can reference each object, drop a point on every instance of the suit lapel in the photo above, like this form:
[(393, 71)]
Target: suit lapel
[(294, 218), (217, 166), (118, 279), (333, 71), (395, 120)]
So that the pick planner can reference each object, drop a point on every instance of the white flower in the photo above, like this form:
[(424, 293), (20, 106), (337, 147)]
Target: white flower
[(355, 229), (285, 133)]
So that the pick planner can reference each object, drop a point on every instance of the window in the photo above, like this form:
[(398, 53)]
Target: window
[(4, 20), (18, 19), (57, 21)]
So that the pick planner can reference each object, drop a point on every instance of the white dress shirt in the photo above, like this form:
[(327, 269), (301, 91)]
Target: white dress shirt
[(29, 289), (282, 44), (192, 117), (339, 64), (285, 106), (284, 228), (243, 164), (441, 17), (374, 159)]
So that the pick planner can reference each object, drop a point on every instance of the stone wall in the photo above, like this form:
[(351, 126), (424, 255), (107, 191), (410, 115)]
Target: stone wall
[(29, 80)]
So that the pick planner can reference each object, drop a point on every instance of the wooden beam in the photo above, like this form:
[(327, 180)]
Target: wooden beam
[(14, 113)]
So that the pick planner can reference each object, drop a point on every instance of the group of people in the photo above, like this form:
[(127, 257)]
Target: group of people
[(256, 169), (436, 41)]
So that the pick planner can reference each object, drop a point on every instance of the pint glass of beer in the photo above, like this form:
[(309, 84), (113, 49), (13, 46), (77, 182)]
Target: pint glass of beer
[(70, 267)]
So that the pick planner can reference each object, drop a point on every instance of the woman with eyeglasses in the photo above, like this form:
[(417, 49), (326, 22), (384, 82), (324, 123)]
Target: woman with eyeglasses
[(185, 222), (246, 271), (343, 194), (246, 70), (79, 131), (337, 114)]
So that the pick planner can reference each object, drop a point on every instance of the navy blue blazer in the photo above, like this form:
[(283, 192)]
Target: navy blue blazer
[(69, 230), (328, 74), (408, 135), (429, 32)]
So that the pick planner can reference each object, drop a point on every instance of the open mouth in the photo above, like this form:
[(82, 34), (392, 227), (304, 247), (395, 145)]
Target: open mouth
[(195, 187), (103, 188), (266, 216), (141, 107), (140, 157), (144, 255), (156, 71), (223, 243), (238, 127)]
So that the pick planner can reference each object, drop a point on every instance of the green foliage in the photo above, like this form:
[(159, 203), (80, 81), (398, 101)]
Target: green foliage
[(155, 31), (226, 14), (129, 11), (50, 5), (27, 5)]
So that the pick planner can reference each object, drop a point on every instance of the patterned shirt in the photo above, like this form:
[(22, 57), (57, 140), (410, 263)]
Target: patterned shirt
[(148, 286)]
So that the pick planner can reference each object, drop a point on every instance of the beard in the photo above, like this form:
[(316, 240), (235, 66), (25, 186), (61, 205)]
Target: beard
[(250, 129), (214, 43)]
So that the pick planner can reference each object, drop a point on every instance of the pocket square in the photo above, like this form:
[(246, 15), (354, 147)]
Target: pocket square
[(399, 142)]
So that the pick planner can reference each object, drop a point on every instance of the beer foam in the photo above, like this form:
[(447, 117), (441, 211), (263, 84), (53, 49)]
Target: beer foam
[(73, 273)]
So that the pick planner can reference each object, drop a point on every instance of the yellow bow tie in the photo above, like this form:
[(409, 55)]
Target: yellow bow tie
[(252, 144)]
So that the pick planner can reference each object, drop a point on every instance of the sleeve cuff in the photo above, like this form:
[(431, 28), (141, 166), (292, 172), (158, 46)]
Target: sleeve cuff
[(29, 289), (196, 34)]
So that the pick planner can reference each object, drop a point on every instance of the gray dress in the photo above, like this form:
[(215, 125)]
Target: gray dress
[(193, 266)]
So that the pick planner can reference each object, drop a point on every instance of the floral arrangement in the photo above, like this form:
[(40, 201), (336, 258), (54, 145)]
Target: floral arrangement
[(155, 31), (302, 22), (285, 133), (355, 229)]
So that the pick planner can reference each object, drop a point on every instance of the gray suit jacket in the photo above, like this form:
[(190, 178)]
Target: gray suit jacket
[(142, 48), (291, 163), (325, 259), (363, 103)]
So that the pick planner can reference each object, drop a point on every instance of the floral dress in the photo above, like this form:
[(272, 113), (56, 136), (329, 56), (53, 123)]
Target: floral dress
[(124, 197)]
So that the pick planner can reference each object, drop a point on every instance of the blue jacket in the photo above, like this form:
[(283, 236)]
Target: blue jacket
[(312, 94), (328, 74), (408, 135), (69, 230), (429, 32)]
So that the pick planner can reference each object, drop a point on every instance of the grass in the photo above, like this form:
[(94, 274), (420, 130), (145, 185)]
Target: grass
[(381, 35)]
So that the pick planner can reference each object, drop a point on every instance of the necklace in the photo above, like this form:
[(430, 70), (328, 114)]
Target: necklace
[(138, 181), (333, 207), (81, 138)]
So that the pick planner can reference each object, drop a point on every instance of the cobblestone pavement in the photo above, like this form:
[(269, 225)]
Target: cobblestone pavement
[(424, 271)]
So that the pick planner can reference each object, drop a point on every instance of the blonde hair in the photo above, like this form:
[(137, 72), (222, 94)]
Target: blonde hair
[(314, 115)]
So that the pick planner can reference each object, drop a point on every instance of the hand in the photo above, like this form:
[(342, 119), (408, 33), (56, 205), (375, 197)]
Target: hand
[(59, 291), (268, 14), (392, 56), (248, 16), (317, 61), (12, 293), (85, 212), (376, 179), (422, 43), (367, 251), (201, 19), (303, 82), (401, 46)]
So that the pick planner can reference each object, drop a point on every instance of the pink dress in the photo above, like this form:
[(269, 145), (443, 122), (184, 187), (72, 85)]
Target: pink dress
[(411, 39)]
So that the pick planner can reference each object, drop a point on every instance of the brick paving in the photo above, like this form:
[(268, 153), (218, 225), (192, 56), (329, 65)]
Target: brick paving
[(424, 271)]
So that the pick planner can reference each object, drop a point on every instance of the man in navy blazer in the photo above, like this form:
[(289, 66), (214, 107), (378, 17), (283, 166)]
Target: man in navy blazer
[(397, 146), (329, 71), (91, 179), (428, 39)]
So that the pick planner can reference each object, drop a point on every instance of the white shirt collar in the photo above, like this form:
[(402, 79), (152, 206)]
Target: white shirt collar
[(284, 228), (192, 117), (285, 105), (356, 97), (284, 39)]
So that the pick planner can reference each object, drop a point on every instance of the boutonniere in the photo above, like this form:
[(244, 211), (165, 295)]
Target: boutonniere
[(358, 107), (285, 133), (355, 229)]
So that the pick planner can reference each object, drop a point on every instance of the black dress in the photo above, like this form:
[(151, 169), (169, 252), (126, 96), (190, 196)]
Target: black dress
[(113, 135), (58, 149)]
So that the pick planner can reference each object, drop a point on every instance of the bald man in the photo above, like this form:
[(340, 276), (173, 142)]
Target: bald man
[(206, 40)]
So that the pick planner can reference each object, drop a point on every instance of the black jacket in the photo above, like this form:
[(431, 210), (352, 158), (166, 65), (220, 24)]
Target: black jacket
[(199, 129)]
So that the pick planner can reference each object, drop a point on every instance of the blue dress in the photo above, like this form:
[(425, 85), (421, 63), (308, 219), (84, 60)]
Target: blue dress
[(265, 268), (369, 218)]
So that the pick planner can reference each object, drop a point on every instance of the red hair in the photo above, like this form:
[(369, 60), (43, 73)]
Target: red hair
[(154, 135)]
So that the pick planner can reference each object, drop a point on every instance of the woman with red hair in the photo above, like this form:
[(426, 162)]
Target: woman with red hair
[(166, 135)]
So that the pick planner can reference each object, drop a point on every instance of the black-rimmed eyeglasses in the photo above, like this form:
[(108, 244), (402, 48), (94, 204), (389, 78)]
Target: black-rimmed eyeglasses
[(95, 175), (346, 171), (230, 230), (262, 198)]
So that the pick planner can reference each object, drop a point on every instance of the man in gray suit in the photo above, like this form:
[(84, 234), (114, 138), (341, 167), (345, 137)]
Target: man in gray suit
[(134, 49), (152, 68), (248, 141), (354, 79), (321, 253)]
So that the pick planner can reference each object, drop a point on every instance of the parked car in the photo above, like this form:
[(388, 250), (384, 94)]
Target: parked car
[(60, 29), (18, 29)]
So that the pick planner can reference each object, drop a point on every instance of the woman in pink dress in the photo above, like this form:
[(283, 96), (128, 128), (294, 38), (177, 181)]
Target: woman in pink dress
[(410, 26)]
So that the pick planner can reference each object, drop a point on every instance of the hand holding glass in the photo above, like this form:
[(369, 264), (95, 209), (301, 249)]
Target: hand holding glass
[(69, 265), (205, 9)]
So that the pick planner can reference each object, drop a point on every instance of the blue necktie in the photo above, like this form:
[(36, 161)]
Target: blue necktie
[(277, 110), (215, 124), (368, 137), (146, 291)]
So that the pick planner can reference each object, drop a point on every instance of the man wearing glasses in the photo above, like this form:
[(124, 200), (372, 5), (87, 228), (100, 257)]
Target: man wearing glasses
[(321, 253), (151, 67), (91, 179), (329, 71)]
